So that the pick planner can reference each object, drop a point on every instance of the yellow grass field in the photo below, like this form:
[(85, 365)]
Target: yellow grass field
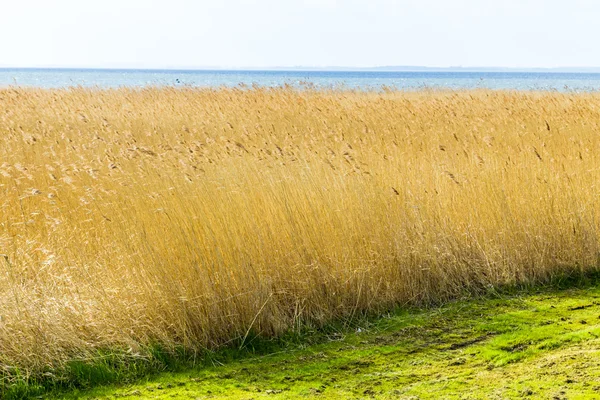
[(193, 218)]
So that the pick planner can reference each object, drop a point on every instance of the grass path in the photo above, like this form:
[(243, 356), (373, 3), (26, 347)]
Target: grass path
[(542, 345)]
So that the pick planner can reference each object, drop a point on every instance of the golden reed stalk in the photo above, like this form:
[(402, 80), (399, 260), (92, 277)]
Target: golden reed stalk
[(189, 217)]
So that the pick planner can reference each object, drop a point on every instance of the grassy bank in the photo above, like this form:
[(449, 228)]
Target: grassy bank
[(532, 345), (140, 226)]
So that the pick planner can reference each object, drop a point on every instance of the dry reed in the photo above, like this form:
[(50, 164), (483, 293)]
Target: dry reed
[(189, 217)]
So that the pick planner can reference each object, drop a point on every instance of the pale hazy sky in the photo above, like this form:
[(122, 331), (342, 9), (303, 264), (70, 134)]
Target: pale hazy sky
[(262, 33)]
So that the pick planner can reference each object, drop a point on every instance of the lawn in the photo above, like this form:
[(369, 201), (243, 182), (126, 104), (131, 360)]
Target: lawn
[(543, 344)]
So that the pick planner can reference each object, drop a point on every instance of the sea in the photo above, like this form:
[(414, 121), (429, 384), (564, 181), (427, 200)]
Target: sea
[(358, 80)]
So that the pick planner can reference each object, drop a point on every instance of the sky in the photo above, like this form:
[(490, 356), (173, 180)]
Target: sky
[(290, 33)]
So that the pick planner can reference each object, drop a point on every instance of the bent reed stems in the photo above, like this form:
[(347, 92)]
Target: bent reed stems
[(190, 218)]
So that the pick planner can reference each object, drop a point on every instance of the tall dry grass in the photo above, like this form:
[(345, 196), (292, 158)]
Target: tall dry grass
[(185, 217)]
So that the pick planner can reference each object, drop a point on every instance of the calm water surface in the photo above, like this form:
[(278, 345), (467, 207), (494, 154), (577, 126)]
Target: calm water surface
[(53, 78)]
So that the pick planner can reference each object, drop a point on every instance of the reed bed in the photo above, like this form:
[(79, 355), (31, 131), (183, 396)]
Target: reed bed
[(194, 218)]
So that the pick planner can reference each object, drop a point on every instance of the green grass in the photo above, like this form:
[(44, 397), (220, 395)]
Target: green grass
[(543, 344)]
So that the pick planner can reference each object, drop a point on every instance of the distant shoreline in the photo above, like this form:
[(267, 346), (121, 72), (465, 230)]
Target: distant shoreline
[(553, 80), (569, 70)]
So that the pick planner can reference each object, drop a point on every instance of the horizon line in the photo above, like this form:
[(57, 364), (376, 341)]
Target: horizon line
[(386, 68)]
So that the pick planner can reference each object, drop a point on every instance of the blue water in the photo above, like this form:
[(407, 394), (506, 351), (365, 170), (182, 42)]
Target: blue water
[(53, 78)]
